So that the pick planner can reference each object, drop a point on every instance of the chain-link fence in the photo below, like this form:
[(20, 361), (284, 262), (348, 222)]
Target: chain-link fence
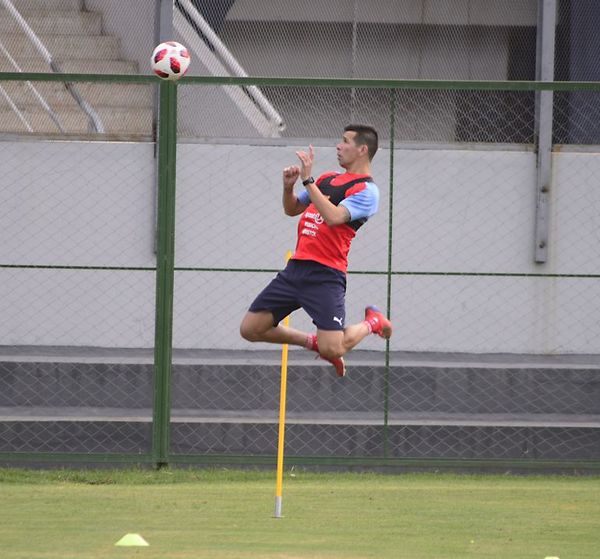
[(448, 40), (78, 272), (494, 355)]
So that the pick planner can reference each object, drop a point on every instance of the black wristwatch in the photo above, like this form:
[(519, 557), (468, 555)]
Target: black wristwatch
[(308, 181)]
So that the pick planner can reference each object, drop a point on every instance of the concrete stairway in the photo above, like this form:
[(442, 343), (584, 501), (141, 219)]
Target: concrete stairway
[(75, 41)]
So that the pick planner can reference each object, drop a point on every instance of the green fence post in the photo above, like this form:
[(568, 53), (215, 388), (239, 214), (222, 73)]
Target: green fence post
[(165, 256), (389, 272)]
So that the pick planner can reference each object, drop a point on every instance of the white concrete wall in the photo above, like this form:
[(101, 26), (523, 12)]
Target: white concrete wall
[(77, 204), (385, 53), (430, 12), (426, 39), (455, 211)]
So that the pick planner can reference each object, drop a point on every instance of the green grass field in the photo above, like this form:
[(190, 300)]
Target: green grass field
[(218, 514)]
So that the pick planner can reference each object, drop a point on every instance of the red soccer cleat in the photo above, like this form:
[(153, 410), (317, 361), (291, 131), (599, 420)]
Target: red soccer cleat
[(379, 324), (338, 363)]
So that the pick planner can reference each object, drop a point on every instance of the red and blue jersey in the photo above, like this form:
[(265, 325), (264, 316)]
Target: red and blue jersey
[(329, 245)]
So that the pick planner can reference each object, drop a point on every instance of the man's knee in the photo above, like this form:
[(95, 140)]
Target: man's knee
[(331, 344), (248, 333), (254, 326), (331, 351)]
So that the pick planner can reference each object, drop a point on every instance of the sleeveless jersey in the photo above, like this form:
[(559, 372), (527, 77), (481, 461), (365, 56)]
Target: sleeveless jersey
[(329, 245)]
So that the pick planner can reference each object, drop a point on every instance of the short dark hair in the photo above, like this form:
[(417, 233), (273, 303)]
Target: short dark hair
[(365, 135)]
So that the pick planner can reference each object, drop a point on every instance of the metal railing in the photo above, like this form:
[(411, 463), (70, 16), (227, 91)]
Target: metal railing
[(36, 93), (221, 62), (95, 122)]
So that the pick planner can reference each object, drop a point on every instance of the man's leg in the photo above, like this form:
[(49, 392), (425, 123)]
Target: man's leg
[(259, 324), (333, 344), (336, 343), (258, 327)]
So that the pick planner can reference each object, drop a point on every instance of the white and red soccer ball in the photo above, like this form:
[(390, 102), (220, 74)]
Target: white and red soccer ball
[(170, 60)]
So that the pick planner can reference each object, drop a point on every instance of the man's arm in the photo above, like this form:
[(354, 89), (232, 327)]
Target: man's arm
[(291, 205), (332, 214)]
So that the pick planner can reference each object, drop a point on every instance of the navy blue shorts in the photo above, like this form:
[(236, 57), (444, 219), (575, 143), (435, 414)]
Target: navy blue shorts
[(316, 288)]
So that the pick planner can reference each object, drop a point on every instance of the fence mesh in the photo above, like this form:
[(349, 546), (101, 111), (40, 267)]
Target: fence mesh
[(453, 260), (461, 279), (454, 40), (78, 272), (493, 356)]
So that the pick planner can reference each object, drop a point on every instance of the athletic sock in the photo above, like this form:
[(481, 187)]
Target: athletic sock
[(370, 325), (311, 343)]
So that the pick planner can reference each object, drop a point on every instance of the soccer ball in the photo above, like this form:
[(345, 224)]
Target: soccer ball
[(170, 60)]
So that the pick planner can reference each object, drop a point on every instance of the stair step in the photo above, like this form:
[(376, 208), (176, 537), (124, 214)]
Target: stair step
[(82, 47), (56, 95), (116, 120), (75, 41), (56, 23), (77, 66), (37, 6)]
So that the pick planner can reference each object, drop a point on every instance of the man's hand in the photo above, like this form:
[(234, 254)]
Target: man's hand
[(290, 176), (291, 204), (306, 159)]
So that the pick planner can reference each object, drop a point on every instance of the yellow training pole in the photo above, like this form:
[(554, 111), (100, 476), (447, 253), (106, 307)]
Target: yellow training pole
[(281, 442)]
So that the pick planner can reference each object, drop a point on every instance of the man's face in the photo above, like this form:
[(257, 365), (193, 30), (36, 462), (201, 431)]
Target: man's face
[(347, 150)]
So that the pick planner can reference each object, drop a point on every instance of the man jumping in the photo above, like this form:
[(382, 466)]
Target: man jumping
[(333, 208)]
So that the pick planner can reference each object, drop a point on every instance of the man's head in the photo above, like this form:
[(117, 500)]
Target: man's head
[(359, 143)]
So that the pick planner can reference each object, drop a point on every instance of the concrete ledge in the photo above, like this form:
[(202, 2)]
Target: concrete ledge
[(65, 354), (439, 405), (309, 440), (247, 382), (26, 414)]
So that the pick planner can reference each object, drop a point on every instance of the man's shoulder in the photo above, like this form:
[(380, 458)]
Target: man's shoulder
[(366, 188), (356, 182), (329, 174), (354, 178)]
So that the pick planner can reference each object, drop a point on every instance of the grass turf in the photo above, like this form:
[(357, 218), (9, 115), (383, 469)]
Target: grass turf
[(224, 514)]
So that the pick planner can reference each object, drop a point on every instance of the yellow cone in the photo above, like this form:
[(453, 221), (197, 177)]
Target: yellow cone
[(132, 540)]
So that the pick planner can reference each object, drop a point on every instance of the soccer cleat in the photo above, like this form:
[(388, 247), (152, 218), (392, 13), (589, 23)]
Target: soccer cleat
[(338, 365), (378, 323)]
